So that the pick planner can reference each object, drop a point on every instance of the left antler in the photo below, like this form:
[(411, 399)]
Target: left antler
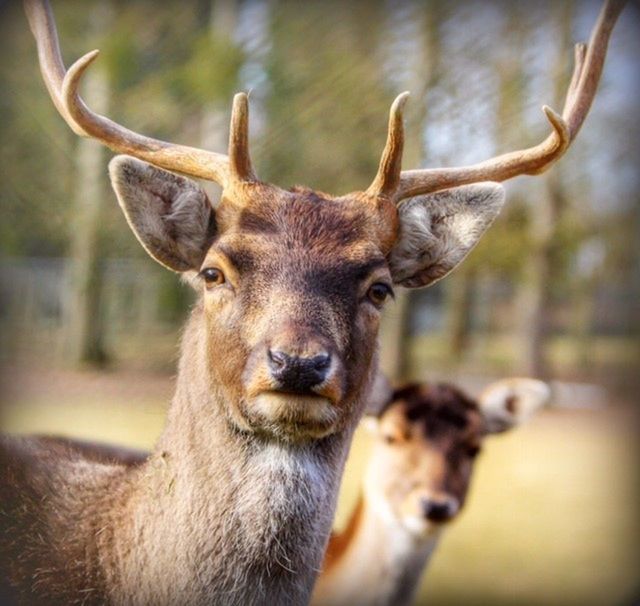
[(63, 85)]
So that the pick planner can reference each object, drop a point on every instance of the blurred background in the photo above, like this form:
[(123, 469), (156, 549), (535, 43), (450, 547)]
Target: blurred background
[(90, 325)]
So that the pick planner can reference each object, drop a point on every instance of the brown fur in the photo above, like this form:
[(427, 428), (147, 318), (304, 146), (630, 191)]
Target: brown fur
[(235, 503)]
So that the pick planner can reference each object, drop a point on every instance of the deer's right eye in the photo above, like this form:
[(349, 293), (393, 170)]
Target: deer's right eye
[(212, 276)]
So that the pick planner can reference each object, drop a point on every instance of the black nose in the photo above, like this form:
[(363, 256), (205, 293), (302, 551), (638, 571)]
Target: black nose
[(436, 510), (297, 374)]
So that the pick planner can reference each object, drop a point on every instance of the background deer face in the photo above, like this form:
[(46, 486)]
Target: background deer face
[(293, 283), (426, 442)]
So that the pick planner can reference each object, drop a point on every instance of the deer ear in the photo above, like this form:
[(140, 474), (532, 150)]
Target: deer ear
[(510, 402), (380, 394), (170, 215), (439, 230)]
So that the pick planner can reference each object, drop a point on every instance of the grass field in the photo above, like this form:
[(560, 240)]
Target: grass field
[(552, 517)]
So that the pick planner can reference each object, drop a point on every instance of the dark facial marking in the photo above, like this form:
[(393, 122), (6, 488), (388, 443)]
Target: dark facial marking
[(439, 408), (241, 258), (334, 280), (318, 222), (254, 223)]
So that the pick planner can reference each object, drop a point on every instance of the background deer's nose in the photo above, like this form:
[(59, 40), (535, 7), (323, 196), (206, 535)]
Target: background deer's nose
[(298, 374), (438, 510)]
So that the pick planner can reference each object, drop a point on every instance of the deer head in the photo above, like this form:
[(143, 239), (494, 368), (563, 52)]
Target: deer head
[(426, 440), (293, 282)]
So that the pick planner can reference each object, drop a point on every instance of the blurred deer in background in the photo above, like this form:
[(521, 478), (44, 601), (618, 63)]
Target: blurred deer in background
[(426, 440), (235, 503)]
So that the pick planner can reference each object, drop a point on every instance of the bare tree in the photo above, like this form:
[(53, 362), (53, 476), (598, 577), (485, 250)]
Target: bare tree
[(84, 321), (535, 296), (215, 116), (394, 354)]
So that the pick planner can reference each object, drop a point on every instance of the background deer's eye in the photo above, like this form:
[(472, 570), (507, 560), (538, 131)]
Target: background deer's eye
[(389, 439), (212, 276), (378, 293), (473, 450)]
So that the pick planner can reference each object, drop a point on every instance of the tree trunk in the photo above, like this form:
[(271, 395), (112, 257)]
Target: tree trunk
[(535, 297), (460, 301), (395, 356), (215, 115), (84, 313)]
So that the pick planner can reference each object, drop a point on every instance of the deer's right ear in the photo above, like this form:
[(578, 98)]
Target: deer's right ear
[(437, 231), (170, 215), (510, 402)]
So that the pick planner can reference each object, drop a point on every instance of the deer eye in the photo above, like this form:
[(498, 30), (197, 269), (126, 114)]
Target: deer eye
[(212, 276), (389, 439), (378, 293), (473, 450)]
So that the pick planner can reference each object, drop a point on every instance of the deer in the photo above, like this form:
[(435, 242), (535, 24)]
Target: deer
[(426, 439), (235, 503)]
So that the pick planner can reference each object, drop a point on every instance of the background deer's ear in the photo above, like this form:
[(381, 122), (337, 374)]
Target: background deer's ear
[(170, 215), (439, 230), (510, 402), (380, 394)]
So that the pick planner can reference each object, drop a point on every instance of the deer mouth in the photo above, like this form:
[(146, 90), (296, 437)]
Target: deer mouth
[(292, 415), (305, 407), (421, 527)]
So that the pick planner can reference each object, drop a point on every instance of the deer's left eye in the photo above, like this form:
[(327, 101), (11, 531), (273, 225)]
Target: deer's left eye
[(473, 450), (212, 276), (378, 293)]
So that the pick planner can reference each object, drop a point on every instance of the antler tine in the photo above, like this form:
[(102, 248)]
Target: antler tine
[(239, 158), (388, 177), (63, 88), (589, 62), (596, 51)]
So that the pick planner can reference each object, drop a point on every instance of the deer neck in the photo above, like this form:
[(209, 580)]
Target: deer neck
[(374, 561), (225, 516)]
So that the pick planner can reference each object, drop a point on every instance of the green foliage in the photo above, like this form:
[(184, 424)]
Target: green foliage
[(210, 74), (328, 72), (329, 101), (507, 242)]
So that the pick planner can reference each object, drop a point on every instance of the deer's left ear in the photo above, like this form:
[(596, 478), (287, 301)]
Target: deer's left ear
[(437, 231), (510, 402)]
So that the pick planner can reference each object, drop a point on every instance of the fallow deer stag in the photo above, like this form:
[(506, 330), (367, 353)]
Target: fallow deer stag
[(426, 439), (236, 501)]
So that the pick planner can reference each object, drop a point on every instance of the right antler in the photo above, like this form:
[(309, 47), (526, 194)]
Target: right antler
[(63, 88), (396, 184)]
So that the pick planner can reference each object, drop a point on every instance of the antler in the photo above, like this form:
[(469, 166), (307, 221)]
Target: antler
[(589, 61), (387, 179), (63, 89)]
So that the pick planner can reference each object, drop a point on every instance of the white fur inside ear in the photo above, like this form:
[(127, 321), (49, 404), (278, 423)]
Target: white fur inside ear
[(170, 215), (439, 230), (510, 402)]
